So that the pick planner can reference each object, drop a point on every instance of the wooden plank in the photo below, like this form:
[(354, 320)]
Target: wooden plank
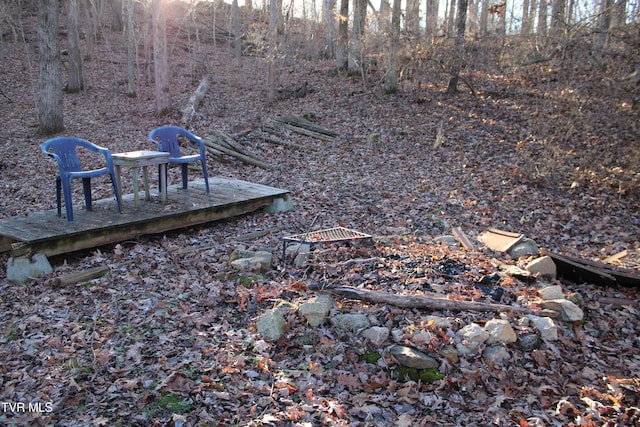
[(499, 240), (462, 238), (576, 269), (47, 233)]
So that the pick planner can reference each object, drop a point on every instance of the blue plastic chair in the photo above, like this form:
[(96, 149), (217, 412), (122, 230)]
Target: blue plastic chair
[(166, 139), (63, 149)]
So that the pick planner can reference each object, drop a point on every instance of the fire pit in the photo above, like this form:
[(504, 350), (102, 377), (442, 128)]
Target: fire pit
[(328, 235)]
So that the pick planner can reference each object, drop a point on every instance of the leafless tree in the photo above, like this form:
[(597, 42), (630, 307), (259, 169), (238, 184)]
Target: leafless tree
[(162, 76), (75, 82), (457, 60), (391, 79), (50, 111)]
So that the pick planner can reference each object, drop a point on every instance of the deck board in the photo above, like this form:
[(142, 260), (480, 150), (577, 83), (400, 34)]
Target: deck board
[(52, 235)]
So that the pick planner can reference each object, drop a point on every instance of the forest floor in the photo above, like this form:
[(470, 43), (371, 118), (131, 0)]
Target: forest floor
[(170, 339)]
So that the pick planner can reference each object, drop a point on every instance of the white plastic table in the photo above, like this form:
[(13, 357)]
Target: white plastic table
[(142, 159)]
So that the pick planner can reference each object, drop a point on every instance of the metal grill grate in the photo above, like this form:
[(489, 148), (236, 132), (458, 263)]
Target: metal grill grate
[(336, 234)]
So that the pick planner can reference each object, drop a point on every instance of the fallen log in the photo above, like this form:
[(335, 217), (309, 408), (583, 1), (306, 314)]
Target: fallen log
[(211, 143), (81, 276), (421, 301), (305, 127), (280, 142), (190, 111)]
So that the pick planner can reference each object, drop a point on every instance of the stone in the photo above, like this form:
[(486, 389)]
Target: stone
[(376, 335), (500, 331), (551, 292), (576, 298), (23, 270), (316, 310), (350, 321), (546, 327), (543, 266), (249, 261), (438, 322), (271, 325), (569, 312), (529, 342), (281, 204), (524, 248), (471, 337), (496, 355), (412, 358), (450, 353)]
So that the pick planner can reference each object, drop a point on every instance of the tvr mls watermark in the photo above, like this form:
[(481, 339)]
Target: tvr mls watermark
[(27, 407)]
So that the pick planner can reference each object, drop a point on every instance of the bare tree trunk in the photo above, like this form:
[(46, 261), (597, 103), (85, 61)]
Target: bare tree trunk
[(271, 59), (329, 13), (525, 29), (457, 60), (391, 79), (602, 36), (558, 23), (451, 16), (431, 27), (75, 82), (473, 27), (160, 59), (542, 18), (355, 65), (50, 112), (533, 10), (484, 18), (412, 21), (237, 52), (130, 43), (342, 48)]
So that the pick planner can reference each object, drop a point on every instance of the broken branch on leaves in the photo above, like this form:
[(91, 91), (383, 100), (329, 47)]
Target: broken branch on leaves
[(219, 144), (421, 301), (306, 127)]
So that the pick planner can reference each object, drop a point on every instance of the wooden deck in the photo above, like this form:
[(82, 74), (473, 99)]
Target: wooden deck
[(49, 234)]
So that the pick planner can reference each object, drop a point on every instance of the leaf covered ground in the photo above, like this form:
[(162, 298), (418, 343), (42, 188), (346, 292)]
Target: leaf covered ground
[(169, 336)]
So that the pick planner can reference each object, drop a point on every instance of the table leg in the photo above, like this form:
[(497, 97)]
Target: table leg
[(163, 181), (136, 187), (118, 180), (145, 174)]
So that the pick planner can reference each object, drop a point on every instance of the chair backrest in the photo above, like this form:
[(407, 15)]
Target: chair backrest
[(168, 137), (63, 149)]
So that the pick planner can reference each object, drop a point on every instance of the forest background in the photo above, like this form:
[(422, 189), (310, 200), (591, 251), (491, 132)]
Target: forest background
[(520, 116)]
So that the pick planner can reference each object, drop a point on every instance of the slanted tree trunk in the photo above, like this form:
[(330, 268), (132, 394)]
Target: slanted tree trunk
[(342, 49), (50, 111), (160, 59), (75, 82), (391, 79), (130, 43), (457, 60)]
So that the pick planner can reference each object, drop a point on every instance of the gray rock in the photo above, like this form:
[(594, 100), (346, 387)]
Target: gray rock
[(249, 261), (450, 353), (471, 337), (376, 335), (569, 312), (411, 358), (496, 355), (500, 331), (282, 204), (271, 325), (350, 321), (316, 310), (551, 292), (529, 342), (543, 266), (22, 270), (524, 248), (546, 327)]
